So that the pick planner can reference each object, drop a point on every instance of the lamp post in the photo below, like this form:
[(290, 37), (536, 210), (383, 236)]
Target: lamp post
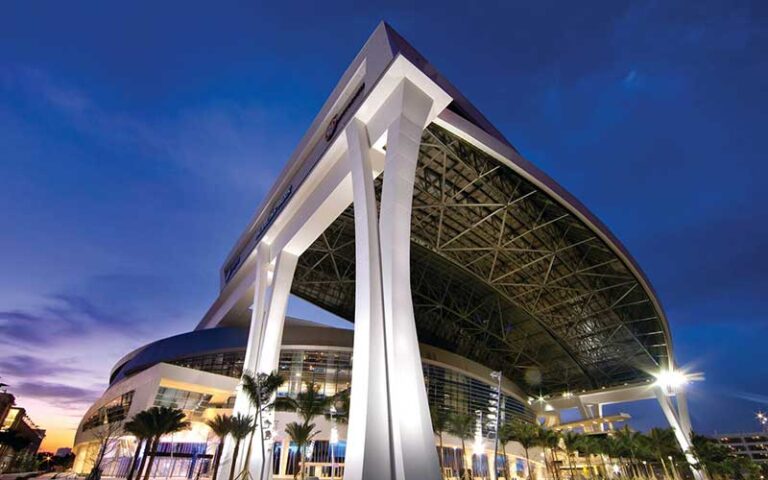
[(762, 418), (334, 440), (497, 376)]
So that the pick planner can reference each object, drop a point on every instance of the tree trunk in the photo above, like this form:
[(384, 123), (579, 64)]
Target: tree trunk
[(152, 453), (234, 459), (134, 461), (528, 464), (664, 467), (546, 463), (588, 456), (147, 444), (506, 463), (439, 457), (570, 463), (554, 463), (605, 467), (260, 413), (464, 460), (217, 459), (246, 472), (301, 467)]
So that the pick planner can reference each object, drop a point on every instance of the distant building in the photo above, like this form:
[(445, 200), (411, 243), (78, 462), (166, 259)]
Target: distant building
[(63, 452), (753, 445), (17, 420), (6, 402)]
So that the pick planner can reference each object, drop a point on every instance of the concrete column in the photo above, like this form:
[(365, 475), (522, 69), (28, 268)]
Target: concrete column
[(271, 342), (255, 335), (413, 442), (269, 356), (369, 453), (681, 428)]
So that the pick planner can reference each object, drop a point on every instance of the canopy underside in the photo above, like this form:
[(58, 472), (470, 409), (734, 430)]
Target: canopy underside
[(505, 275)]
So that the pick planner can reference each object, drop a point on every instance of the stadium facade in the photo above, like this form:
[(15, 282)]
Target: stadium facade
[(404, 211)]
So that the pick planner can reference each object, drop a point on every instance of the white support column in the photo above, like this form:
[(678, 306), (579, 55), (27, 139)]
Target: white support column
[(271, 342), (255, 335), (681, 428), (269, 356), (414, 451), (369, 453)]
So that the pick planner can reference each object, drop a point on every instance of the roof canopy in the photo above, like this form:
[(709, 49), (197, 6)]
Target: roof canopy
[(508, 269), (506, 275)]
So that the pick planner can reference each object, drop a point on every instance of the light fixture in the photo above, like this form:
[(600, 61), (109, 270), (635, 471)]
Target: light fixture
[(672, 379)]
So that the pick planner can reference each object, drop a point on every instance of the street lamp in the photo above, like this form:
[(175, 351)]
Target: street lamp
[(762, 417), (334, 440), (497, 376)]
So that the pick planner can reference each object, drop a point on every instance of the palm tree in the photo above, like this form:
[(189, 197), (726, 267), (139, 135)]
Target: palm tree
[(663, 444), (301, 434), (587, 445), (527, 435), (140, 427), (631, 441), (308, 404), (463, 426), (571, 443), (241, 427), (163, 421), (439, 426), (260, 390), (506, 435), (221, 426), (606, 447), (550, 439)]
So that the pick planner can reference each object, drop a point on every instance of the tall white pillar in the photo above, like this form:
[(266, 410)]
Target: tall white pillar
[(681, 427), (263, 350), (269, 351), (368, 435), (269, 354), (414, 451), (255, 335)]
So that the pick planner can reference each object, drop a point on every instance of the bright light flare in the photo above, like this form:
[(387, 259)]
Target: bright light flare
[(671, 380)]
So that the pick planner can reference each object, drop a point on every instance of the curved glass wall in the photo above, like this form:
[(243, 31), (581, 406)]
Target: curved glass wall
[(331, 370), (229, 364)]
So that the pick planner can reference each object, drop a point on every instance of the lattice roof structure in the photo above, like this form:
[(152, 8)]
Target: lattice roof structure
[(507, 275)]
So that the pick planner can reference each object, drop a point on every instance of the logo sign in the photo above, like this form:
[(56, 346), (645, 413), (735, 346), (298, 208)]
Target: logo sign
[(277, 207), (330, 130)]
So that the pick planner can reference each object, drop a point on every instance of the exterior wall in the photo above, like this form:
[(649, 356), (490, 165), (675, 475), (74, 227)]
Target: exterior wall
[(6, 402), (146, 384), (753, 445)]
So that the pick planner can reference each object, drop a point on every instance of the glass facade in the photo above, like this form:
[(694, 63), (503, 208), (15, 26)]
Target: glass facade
[(454, 392), (330, 370), (190, 402), (229, 364), (113, 411)]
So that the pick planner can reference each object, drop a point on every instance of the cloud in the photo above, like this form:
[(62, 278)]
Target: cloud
[(28, 366), (57, 392), (63, 317)]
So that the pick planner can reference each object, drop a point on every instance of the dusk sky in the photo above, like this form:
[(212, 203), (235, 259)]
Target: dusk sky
[(138, 138)]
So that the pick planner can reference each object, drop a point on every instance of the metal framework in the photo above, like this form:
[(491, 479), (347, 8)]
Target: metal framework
[(504, 275)]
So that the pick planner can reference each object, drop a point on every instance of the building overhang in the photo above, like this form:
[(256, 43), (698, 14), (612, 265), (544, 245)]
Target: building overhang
[(508, 268)]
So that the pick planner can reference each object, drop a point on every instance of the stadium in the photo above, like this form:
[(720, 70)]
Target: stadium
[(406, 213)]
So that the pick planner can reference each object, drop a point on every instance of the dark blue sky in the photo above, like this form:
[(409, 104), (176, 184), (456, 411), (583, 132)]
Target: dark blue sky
[(137, 138)]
